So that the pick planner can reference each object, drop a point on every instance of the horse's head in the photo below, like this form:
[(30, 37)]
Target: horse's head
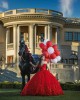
[(21, 49)]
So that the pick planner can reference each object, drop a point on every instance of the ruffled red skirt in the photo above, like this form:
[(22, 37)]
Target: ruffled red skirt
[(43, 83)]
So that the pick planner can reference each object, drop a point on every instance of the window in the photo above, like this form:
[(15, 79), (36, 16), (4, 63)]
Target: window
[(39, 38), (25, 37), (75, 36), (10, 35), (10, 59), (39, 35), (72, 36), (68, 36), (42, 37), (79, 36)]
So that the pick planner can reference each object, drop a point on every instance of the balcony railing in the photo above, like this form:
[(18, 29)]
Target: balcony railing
[(8, 12), (10, 46), (60, 65), (32, 11), (22, 11)]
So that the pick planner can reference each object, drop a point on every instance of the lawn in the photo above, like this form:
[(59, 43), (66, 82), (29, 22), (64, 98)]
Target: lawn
[(13, 94)]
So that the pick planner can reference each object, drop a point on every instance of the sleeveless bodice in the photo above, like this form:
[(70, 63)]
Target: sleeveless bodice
[(43, 67)]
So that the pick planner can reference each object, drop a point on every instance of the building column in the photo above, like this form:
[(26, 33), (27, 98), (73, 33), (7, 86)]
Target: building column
[(15, 42), (7, 36), (46, 32), (49, 32), (31, 32), (18, 40), (56, 35), (35, 35)]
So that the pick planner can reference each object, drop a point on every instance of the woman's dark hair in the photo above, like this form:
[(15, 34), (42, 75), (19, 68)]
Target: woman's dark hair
[(41, 60)]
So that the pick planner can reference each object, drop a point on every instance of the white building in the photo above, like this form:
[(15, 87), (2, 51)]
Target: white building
[(34, 23)]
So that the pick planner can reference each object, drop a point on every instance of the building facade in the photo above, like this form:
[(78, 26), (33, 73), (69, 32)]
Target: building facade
[(34, 23)]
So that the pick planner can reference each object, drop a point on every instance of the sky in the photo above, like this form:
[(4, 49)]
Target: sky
[(69, 8)]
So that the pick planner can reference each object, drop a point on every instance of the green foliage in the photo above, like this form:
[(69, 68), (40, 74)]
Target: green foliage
[(17, 85), (6, 84), (70, 86)]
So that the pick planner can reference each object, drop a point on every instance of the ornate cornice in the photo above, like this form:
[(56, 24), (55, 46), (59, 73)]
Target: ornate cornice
[(72, 23), (72, 20), (34, 17)]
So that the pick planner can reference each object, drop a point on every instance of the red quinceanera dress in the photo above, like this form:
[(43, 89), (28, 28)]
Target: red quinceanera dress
[(43, 83)]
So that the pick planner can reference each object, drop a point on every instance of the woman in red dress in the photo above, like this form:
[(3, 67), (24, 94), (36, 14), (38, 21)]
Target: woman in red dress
[(43, 83)]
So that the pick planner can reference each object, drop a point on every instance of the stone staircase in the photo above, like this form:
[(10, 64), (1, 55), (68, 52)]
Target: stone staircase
[(6, 75)]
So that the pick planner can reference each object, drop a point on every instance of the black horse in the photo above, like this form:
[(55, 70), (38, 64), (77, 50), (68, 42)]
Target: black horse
[(25, 65)]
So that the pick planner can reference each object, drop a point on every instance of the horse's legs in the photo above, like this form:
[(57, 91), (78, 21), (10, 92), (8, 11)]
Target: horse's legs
[(28, 75), (23, 81)]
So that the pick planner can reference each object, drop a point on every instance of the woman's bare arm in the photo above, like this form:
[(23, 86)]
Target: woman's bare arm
[(34, 64)]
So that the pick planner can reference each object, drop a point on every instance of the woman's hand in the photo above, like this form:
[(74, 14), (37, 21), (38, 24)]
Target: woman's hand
[(37, 63), (32, 64)]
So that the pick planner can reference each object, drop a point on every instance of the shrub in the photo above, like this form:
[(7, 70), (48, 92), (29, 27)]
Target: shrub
[(15, 85), (69, 86)]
